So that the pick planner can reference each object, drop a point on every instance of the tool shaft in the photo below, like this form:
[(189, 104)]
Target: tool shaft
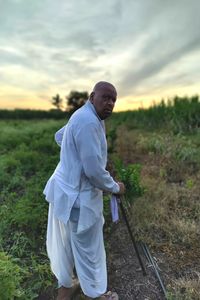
[(132, 237)]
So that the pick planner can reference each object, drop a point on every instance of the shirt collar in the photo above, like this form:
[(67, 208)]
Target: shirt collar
[(91, 106)]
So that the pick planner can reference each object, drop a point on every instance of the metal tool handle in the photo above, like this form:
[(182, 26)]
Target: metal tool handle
[(131, 236)]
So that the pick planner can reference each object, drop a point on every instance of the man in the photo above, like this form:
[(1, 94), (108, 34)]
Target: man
[(74, 191)]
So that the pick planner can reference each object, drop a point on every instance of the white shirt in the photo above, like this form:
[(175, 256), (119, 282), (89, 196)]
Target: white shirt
[(80, 176)]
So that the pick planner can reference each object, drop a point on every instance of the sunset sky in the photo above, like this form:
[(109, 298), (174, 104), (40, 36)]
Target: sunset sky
[(149, 49)]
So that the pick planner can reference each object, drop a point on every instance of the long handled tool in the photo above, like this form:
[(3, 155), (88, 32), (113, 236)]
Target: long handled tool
[(132, 237), (154, 266)]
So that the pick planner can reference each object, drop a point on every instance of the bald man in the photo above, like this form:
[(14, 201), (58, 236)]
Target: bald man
[(75, 196)]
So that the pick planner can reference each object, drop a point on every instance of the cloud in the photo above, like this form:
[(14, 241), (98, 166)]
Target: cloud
[(153, 66), (165, 42), (70, 44)]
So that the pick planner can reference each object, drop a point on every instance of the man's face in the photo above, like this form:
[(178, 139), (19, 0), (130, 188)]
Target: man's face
[(104, 99)]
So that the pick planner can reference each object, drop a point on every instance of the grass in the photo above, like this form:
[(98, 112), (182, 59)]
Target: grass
[(186, 288), (28, 157), (167, 216)]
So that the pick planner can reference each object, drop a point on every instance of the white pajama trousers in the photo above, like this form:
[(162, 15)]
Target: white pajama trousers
[(66, 248)]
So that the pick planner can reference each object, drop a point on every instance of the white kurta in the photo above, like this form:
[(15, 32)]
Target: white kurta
[(78, 181), (80, 176)]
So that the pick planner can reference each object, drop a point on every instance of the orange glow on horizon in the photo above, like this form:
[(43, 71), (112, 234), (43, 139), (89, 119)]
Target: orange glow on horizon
[(16, 98), (19, 102)]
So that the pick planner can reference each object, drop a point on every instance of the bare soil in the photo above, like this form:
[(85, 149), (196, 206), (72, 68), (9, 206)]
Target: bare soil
[(125, 274)]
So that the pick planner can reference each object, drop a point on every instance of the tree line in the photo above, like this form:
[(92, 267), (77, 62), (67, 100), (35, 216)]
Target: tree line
[(74, 101), (61, 109)]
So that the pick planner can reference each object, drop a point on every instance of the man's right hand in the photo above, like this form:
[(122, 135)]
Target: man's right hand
[(122, 188)]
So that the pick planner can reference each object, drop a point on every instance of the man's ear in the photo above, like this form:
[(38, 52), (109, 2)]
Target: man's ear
[(91, 97)]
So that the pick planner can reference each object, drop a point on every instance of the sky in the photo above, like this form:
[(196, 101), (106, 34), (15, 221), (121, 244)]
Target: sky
[(149, 49)]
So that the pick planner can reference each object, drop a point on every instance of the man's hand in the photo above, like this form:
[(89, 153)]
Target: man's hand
[(121, 188)]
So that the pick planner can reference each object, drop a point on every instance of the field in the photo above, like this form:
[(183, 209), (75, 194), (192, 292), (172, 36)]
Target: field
[(163, 144)]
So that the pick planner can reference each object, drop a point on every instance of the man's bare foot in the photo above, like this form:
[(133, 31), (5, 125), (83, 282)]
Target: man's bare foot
[(66, 293), (107, 296), (63, 293)]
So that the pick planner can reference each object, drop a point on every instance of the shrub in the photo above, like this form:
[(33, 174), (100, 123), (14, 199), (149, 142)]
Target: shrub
[(130, 176), (10, 277)]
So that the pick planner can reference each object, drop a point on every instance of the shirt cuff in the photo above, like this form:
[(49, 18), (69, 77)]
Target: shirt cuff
[(116, 188)]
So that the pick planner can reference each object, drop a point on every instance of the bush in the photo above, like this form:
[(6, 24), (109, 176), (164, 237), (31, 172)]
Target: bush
[(10, 277), (130, 176)]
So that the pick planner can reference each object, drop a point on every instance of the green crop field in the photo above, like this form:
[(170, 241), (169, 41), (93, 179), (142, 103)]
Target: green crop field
[(155, 151)]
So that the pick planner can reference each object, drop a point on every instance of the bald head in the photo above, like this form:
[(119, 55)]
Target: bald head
[(103, 98), (102, 85)]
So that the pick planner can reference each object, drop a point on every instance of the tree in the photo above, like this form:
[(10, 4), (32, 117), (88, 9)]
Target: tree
[(57, 102), (75, 100)]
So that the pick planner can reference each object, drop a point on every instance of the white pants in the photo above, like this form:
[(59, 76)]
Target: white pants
[(85, 250)]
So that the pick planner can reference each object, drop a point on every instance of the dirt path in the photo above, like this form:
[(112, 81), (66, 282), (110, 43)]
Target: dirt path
[(125, 275)]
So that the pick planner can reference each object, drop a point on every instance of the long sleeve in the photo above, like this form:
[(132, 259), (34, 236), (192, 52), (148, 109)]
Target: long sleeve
[(59, 135), (88, 141)]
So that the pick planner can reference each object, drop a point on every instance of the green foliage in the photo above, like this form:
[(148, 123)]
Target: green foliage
[(188, 153), (29, 154), (111, 138), (57, 102), (155, 144), (29, 214), (189, 183), (130, 176), (76, 99), (10, 278), (30, 114), (39, 274), (106, 206), (178, 115)]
